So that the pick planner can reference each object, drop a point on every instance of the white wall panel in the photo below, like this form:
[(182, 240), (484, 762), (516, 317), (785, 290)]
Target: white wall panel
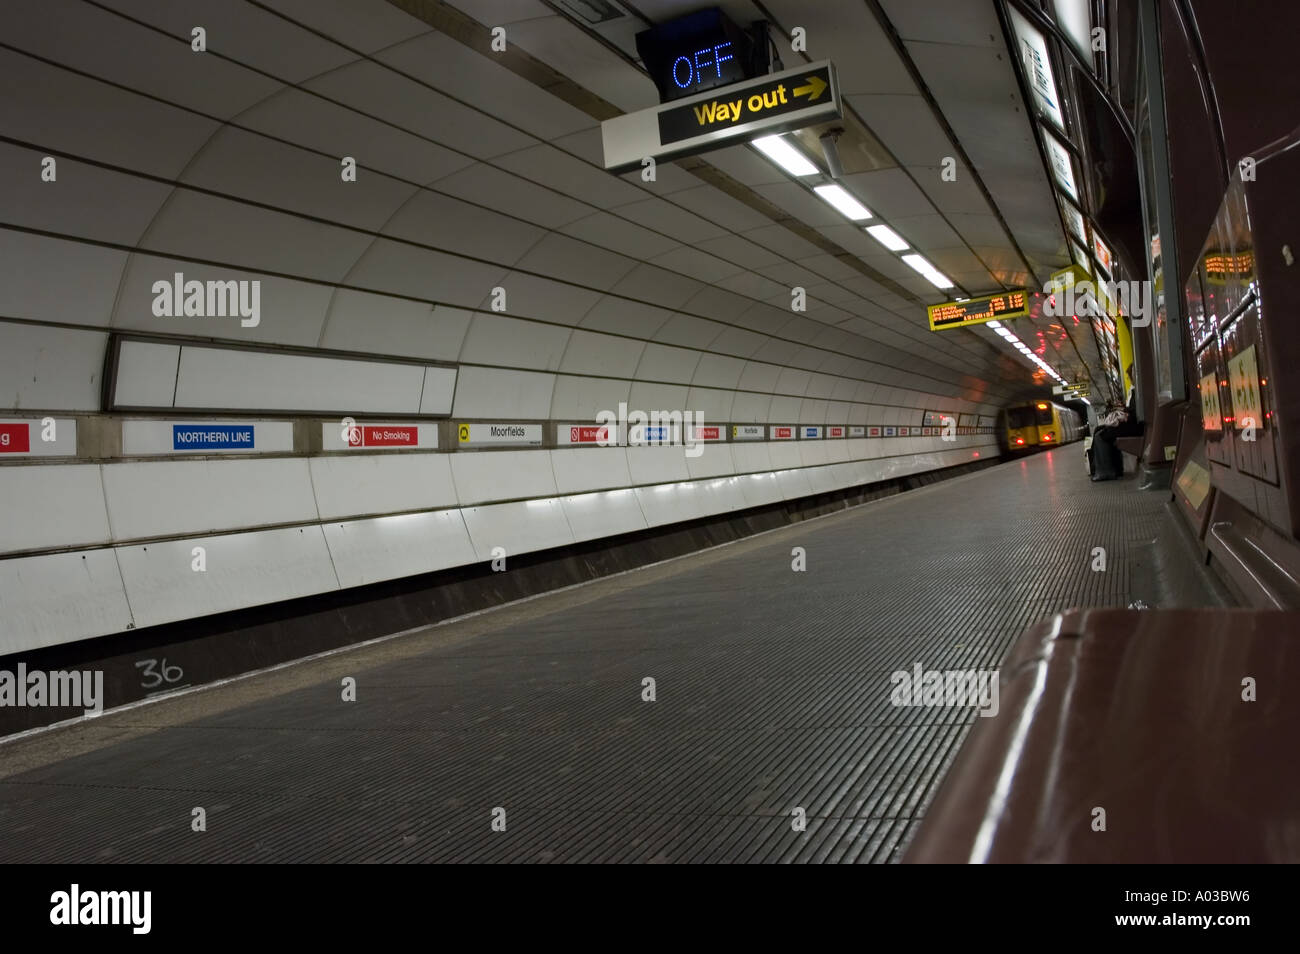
[(497, 393), (751, 456), (504, 475), (785, 408), (602, 514), (663, 363), (656, 397), (657, 464), (50, 369), (388, 548), (715, 460), (794, 484), (714, 403), (290, 312), (146, 374), (581, 399), (785, 454), (813, 453), (249, 236), (381, 483), (243, 569), (57, 505), (590, 468), (759, 376), (253, 380), (751, 408), (664, 504), (187, 497), (520, 527), (510, 342), (49, 279), (812, 412), (438, 391), (89, 201), (402, 269), (382, 324), (760, 489), (727, 493), (536, 296), (591, 353), (822, 479), (60, 597), (64, 111)]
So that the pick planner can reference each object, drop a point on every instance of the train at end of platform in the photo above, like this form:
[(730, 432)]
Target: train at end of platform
[(1038, 425)]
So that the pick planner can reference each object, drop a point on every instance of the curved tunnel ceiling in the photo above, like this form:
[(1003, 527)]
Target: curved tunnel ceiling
[(472, 175)]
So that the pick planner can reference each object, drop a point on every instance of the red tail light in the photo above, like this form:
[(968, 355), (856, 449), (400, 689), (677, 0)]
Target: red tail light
[(1047, 436), (1020, 440)]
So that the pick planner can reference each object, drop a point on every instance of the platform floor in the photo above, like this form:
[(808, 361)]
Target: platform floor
[(772, 693)]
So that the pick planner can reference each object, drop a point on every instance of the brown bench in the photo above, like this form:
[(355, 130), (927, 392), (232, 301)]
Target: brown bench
[(1138, 713), (1132, 445)]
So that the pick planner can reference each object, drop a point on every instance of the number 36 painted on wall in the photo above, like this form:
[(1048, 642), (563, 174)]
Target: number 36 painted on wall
[(149, 671)]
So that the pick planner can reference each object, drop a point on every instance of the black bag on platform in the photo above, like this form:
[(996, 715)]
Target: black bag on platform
[(1107, 460)]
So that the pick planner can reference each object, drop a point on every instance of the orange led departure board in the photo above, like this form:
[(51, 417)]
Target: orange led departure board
[(958, 314)]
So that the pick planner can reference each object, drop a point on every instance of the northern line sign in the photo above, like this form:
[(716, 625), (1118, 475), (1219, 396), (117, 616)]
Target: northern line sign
[(770, 104)]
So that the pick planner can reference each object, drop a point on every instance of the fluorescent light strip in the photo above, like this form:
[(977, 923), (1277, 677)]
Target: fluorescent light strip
[(785, 155), (936, 278), (887, 237), (843, 202), (1019, 345)]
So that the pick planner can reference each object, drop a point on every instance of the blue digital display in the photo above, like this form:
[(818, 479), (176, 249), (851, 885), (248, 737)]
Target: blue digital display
[(701, 66), (656, 433), (700, 51)]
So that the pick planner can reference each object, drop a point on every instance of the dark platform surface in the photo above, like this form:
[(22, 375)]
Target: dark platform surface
[(772, 693)]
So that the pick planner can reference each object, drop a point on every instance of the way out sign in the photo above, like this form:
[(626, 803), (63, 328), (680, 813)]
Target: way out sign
[(770, 104)]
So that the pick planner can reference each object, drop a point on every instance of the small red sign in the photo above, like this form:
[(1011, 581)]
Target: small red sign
[(835, 432), (873, 432), (391, 436), (708, 433), (587, 435), (784, 432), (15, 438)]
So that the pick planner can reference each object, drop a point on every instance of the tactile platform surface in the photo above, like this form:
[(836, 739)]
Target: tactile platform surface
[(772, 693)]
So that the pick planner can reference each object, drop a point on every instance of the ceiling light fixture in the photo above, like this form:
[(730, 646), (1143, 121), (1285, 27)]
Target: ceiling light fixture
[(785, 155), (843, 202), (890, 239)]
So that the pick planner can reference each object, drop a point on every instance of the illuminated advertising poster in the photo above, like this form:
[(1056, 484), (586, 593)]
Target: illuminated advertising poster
[(1037, 66), (1062, 166), (1080, 257), (1074, 220), (1104, 258)]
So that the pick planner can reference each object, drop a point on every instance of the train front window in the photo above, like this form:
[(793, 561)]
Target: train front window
[(1020, 417), (1044, 412)]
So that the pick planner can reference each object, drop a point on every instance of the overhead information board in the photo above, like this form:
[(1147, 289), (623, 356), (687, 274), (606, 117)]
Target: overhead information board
[(770, 104), (959, 314)]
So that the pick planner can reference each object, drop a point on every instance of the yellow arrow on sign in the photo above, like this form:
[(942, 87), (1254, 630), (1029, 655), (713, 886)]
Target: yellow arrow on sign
[(816, 86)]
